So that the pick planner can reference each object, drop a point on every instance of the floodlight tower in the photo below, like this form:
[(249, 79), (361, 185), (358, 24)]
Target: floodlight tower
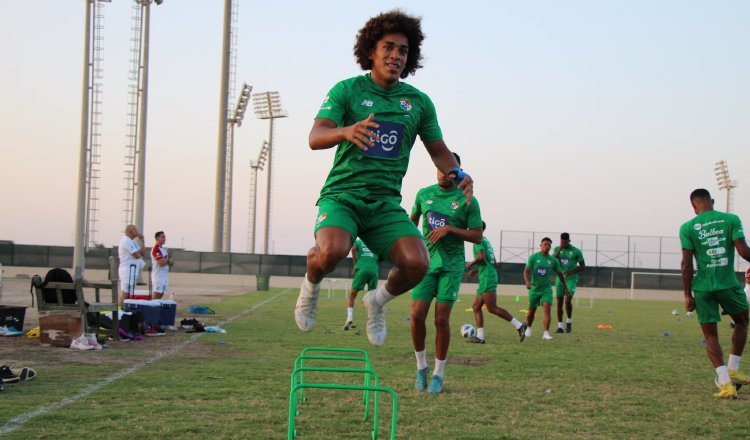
[(226, 94), (255, 166), (234, 121), (722, 178), (268, 106), (88, 158), (135, 150)]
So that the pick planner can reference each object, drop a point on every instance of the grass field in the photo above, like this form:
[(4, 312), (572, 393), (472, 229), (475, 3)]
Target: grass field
[(628, 382)]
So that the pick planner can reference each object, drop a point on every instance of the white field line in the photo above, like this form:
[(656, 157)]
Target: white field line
[(18, 421)]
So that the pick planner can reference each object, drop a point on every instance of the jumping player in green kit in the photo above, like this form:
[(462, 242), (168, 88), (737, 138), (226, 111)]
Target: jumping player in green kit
[(484, 260), (537, 274), (374, 120), (571, 260), (365, 274), (448, 221), (711, 237)]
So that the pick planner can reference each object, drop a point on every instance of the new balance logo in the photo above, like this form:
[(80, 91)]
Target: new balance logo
[(367, 103)]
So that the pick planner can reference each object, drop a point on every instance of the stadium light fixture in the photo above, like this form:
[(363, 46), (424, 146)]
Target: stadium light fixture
[(722, 179), (268, 106)]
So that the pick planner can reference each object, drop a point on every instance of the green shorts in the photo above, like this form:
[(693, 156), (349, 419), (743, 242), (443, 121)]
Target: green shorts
[(572, 284), (378, 223), (438, 284), (365, 276), (487, 283), (707, 304), (537, 297)]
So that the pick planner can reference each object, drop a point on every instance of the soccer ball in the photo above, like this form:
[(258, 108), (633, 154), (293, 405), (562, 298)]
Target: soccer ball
[(468, 330)]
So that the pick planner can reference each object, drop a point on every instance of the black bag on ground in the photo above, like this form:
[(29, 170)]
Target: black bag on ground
[(56, 275), (133, 323)]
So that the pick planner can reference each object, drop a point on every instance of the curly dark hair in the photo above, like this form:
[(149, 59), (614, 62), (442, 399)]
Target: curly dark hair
[(395, 21)]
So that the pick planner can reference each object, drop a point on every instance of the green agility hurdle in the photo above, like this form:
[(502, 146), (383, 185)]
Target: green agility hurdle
[(298, 384)]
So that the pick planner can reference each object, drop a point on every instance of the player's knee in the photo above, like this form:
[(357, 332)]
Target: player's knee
[(442, 321), (418, 317), (415, 264), (328, 255)]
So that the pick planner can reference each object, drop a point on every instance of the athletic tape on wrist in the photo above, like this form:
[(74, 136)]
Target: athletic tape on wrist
[(460, 174)]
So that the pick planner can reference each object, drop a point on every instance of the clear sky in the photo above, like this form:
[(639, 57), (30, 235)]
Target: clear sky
[(586, 116)]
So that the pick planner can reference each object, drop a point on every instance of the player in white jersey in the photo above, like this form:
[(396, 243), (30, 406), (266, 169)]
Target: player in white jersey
[(161, 261), (131, 261)]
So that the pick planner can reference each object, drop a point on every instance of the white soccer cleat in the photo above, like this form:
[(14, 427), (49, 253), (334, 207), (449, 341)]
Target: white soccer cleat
[(306, 311), (528, 332), (547, 337), (375, 319)]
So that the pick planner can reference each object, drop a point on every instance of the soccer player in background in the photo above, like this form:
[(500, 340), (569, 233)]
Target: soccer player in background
[(365, 274), (571, 260), (374, 120), (537, 274), (711, 238), (161, 261), (448, 221), (484, 260)]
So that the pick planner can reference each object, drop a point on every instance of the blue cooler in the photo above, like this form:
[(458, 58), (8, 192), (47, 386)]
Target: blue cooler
[(151, 310), (168, 311)]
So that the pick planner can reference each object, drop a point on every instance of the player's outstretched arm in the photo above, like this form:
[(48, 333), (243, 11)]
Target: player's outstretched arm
[(686, 267), (445, 161), (527, 277), (480, 258), (325, 134), (741, 245), (561, 277), (471, 235)]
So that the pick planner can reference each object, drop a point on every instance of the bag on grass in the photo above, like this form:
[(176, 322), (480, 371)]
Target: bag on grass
[(200, 310), (56, 275)]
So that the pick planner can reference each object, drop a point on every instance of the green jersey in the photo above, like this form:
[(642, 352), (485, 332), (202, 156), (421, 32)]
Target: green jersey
[(484, 268), (365, 257), (710, 235), (543, 271), (569, 259), (402, 113), (439, 208)]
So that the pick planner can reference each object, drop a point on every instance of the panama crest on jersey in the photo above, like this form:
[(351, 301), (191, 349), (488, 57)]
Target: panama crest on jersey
[(405, 104)]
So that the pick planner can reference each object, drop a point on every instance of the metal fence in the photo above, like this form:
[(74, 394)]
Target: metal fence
[(609, 267), (601, 250)]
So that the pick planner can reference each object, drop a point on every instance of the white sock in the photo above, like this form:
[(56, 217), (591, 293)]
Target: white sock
[(570, 320), (350, 313), (439, 367), (308, 288), (480, 333), (516, 323), (421, 360), (560, 325), (734, 362), (382, 296), (723, 375), (546, 333)]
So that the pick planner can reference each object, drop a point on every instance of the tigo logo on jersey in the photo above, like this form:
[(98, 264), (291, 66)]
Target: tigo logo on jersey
[(406, 104), (321, 218), (454, 205)]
